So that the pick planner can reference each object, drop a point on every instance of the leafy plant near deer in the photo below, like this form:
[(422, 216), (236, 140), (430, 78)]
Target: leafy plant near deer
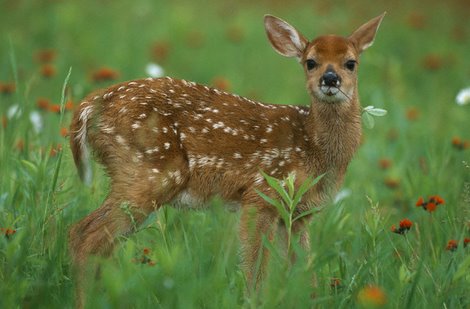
[(289, 199)]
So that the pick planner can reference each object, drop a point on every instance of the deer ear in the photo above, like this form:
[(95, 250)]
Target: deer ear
[(284, 38), (364, 36)]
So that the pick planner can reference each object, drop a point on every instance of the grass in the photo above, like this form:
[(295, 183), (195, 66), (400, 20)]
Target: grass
[(184, 259)]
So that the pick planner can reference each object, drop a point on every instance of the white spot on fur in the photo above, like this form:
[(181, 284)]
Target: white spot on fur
[(166, 145), (237, 155)]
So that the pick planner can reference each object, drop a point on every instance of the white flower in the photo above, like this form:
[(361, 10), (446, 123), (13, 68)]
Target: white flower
[(13, 111), (341, 195), (36, 120), (463, 97), (154, 70)]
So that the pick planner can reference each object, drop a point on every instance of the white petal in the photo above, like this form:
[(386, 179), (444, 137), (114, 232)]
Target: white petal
[(463, 97), (154, 70), (341, 195), (13, 111), (36, 120)]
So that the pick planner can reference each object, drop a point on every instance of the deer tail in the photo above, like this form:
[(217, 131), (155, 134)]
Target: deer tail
[(79, 141)]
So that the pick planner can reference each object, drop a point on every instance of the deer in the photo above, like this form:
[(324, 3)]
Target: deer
[(164, 141)]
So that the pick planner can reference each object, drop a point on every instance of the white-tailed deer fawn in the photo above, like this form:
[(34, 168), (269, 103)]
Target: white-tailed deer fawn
[(167, 141)]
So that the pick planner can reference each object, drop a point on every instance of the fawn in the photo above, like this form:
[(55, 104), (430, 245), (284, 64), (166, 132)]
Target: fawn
[(167, 141)]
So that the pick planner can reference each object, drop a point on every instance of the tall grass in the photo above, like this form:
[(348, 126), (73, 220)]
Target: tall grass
[(188, 259)]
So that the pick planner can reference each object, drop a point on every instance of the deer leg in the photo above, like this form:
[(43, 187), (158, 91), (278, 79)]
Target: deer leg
[(258, 220), (128, 205)]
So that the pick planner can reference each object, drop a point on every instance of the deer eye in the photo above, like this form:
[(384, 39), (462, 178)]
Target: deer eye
[(311, 64), (350, 65)]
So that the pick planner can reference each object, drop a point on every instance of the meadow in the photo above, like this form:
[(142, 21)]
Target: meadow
[(372, 247)]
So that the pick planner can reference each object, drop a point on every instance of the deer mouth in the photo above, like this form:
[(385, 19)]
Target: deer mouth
[(329, 90)]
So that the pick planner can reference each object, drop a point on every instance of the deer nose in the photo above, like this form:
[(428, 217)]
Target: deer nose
[(331, 79)]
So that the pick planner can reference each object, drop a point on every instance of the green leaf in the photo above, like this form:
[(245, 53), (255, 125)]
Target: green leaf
[(304, 187), (30, 166), (275, 184), (378, 112), (368, 120), (305, 213), (462, 270), (279, 206)]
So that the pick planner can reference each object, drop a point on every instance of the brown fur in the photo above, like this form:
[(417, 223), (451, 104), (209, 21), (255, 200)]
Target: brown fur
[(171, 141)]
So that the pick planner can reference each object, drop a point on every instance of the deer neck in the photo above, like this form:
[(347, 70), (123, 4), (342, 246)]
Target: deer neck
[(334, 132)]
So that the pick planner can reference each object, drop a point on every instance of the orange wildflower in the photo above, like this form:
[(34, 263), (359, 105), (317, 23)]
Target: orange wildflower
[(20, 145), (372, 296), (420, 202), (392, 183), (431, 204), (452, 245), (7, 88), (69, 105), (412, 113), (55, 150), (48, 70), (335, 283), (405, 226), (406, 223), (7, 232), (43, 103), (54, 108), (104, 74), (466, 241), (433, 62), (144, 259), (416, 20), (45, 55), (221, 83), (459, 144), (160, 51), (385, 163), (64, 132)]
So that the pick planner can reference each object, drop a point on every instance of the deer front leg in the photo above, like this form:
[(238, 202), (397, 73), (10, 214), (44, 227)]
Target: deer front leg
[(258, 220)]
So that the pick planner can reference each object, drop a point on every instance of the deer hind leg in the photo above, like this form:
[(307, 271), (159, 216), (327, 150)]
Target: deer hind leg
[(128, 204), (258, 220)]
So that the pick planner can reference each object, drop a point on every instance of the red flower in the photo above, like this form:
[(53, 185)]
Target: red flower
[(466, 241), (43, 103), (385, 163), (45, 55), (54, 108), (146, 251), (431, 204), (451, 245), (372, 296), (437, 199), (64, 132), (7, 88), (104, 74), (69, 105), (405, 226), (430, 207), (48, 70), (420, 202), (7, 232), (335, 283)]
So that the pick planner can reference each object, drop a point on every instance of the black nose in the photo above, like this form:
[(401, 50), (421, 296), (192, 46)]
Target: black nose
[(330, 79)]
